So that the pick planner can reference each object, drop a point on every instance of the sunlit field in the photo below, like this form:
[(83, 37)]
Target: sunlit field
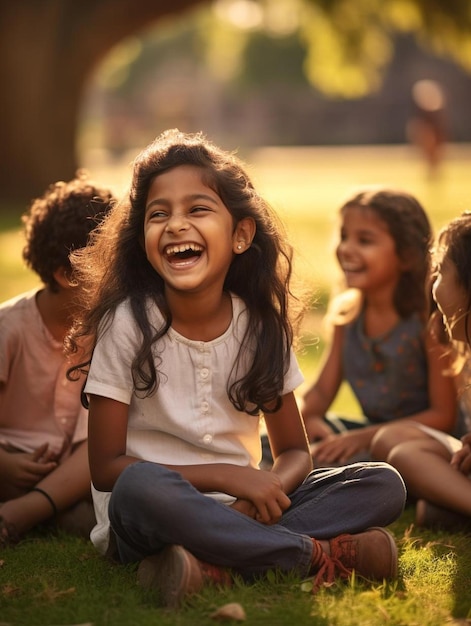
[(306, 186), (70, 583)]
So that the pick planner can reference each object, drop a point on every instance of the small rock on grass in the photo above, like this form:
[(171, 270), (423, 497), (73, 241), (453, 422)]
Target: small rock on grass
[(232, 611)]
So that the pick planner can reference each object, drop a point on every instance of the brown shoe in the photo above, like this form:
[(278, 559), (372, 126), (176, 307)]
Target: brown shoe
[(175, 573), (371, 554), (428, 515)]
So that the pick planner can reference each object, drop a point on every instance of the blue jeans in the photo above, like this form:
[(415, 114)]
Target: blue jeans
[(152, 506)]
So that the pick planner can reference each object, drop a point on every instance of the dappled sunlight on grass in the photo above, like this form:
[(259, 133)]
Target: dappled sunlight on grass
[(69, 580)]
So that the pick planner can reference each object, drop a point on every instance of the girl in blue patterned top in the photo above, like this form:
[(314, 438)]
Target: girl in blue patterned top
[(380, 345)]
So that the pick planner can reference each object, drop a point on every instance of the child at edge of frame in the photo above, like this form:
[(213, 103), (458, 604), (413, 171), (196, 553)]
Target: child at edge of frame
[(436, 466), (43, 426)]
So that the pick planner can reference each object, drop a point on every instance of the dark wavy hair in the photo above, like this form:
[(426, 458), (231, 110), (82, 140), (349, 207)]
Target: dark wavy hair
[(410, 229), (454, 243), (115, 268), (61, 221)]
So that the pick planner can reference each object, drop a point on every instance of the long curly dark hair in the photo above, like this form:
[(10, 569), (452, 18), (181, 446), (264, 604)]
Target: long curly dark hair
[(454, 243), (114, 268)]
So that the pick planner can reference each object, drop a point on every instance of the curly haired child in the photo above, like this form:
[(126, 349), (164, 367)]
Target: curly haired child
[(43, 450)]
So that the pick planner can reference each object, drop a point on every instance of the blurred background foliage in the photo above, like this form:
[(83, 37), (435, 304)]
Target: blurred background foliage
[(284, 72), (111, 74)]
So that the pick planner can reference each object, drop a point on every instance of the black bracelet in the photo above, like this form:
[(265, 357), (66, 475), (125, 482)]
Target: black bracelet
[(48, 497)]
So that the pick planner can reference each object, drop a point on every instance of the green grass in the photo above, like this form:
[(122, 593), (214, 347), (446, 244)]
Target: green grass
[(54, 580)]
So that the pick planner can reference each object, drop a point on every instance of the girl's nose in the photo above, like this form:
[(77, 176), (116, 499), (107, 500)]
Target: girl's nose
[(347, 243), (177, 222), (343, 247)]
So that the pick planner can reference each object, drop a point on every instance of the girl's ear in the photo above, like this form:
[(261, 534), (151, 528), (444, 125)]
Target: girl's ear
[(63, 277), (243, 235)]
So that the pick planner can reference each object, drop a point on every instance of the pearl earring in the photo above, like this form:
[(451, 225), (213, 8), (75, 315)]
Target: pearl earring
[(239, 247)]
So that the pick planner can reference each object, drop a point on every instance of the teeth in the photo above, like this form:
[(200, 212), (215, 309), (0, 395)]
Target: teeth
[(183, 247)]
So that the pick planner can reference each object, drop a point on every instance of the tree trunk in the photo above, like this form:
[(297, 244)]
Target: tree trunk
[(49, 49)]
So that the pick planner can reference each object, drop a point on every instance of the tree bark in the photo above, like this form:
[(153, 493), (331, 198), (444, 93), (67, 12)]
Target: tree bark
[(49, 49)]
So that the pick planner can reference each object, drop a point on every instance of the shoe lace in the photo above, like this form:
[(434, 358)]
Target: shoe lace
[(330, 569), (214, 574)]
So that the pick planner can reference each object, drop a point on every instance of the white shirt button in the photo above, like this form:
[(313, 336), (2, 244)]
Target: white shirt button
[(204, 407), (204, 372), (207, 439)]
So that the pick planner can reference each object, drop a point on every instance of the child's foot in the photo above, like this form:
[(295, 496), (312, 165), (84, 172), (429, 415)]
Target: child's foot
[(429, 515), (175, 573), (371, 554), (8, 534), (78, 520)]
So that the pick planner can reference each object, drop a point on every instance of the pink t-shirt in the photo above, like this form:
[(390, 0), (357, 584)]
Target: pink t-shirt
[(37, 402)]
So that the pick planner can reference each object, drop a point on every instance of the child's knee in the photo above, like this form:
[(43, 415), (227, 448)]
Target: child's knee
[(393, 484), (143, 483), (382, 443), (386, 439)]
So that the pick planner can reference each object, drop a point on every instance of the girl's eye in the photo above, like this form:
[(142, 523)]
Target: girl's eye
[(199, 209), (157, 215)]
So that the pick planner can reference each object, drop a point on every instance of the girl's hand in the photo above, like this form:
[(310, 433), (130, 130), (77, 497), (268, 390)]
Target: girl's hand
[(23, 470), (261, 496), (340, 448), (245, 507), (461, 460)]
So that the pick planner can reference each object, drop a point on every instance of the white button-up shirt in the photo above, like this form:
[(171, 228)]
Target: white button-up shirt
[(190, 419)]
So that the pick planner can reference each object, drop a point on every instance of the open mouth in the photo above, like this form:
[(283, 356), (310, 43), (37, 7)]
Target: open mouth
[(350, 269), (183, 252)]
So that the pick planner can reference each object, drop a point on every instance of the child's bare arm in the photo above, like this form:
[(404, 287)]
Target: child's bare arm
[(442, 410), (289, 444), (319, 397), (69, 482), (107, 435)]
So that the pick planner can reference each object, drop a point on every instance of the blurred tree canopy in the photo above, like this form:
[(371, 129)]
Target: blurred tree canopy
[(348, 43), (345, 57), (51, 48)]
